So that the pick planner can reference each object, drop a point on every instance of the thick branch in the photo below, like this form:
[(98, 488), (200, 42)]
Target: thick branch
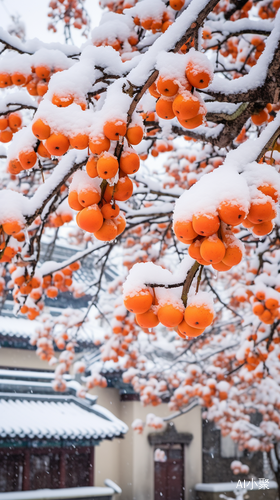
[(233, 125), (181, 412), (189, 279), (269, 144)]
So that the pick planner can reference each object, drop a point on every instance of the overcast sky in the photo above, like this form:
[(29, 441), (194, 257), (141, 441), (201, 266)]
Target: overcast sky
[(34, 15)]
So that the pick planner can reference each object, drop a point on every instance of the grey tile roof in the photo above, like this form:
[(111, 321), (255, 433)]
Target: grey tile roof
[(30, 408)]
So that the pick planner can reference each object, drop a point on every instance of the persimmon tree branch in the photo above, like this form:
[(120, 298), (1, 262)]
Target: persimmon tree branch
[(13, 43), (188, 281), (264, 92), (52, 185), (190, 20)]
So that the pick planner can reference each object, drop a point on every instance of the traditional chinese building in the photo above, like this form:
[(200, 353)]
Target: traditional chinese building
[(48, 439)]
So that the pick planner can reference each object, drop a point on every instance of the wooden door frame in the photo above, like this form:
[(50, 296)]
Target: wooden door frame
[(170, 436)]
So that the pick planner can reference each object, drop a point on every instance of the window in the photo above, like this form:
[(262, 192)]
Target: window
[(33, 469), (77, 469), (11, 472), (44, 470)]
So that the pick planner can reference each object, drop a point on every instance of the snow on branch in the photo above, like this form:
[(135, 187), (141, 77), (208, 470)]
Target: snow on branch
[(66, 167), (31, 46)]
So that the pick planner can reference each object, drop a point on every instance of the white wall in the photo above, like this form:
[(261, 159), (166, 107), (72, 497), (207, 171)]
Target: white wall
[(130, 461), (22, 358)]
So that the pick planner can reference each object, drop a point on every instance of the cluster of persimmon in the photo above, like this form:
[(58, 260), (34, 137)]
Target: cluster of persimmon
[(116, 348), (50, 144), (117, 44), (260, 217), (161, 23), (136, 250), (131, 357), (36, 83), (175, 97), (69, 11), (27, 287), (198, 387), (269, 10), (96, 380), (9, 125), (243, 12), (100, 217), (210, 240), (56, 144), (264, 115), (117, 6), (138, 426), (65, 360), (266, 305), (36, 306), (148, 396), (243, 52), (123, 323), (103, 164), (59, 280), (11, 234), (185, 168), (46, 330), (151, 390), (259, 45), (7, 251), (60, 340), (28, 291), (125, 332), (119, 349), (45, 349), (240, 296), (253, 359), (98, 211), (238, 14), (190, 321), (59, 219), (160, 146), (122, 343)]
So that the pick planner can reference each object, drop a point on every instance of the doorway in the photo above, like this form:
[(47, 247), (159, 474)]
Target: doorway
[(169, 473)]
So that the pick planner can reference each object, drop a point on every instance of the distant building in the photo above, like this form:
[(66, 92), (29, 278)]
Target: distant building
[(48, 439)]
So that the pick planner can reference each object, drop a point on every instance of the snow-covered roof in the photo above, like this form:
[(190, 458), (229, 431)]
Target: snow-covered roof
[(30, 418), (30, 408), (19, 329)]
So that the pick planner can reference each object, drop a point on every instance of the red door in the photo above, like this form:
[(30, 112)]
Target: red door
[(169, 475)]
